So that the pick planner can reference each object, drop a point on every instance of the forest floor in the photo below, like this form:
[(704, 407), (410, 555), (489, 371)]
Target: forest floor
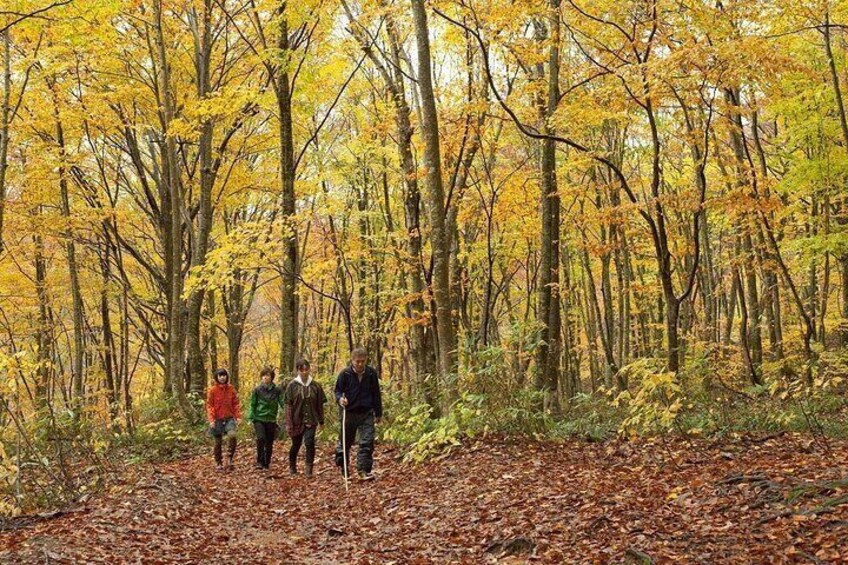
[(781, 499)]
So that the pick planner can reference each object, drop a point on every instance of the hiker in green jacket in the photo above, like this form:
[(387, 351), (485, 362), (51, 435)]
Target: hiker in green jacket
[(264, 402)]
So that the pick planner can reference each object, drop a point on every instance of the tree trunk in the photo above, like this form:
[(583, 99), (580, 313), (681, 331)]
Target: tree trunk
[(78, 354), (611, 367), (772, 289), (743, 172), (423, 351), (200, 236), (109, 350), (571, 362), (432, 162), (550, 346), (5, 118), (174, 225), (43, 337), (288, 288), (212, 333), (843, 123)]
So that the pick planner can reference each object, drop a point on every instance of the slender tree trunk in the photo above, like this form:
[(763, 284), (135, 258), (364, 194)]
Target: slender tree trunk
[(174, 254), (213, 333), (812, 232), (550, 348), (288, 289), (109, 350), (611, 367), (843, 123), (571, 362), (750, 287), (469, 148), (744, 334), (708, 286), (43, 337), (422, 348), (436, 200), (78, 354), (591, 324), (770, 277), (200, 236), (607, 311), (234, 338), (5, 118), (730, 308), (125, 358)]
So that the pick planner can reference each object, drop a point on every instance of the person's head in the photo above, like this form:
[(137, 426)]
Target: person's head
[(222, 376), (267, 375), (302, 367), (358, 357)]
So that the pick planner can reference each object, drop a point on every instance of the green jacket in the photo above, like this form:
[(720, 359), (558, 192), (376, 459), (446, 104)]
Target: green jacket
[(264, 402)]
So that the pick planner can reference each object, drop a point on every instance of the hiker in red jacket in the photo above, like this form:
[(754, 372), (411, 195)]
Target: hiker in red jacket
[(223, 411)]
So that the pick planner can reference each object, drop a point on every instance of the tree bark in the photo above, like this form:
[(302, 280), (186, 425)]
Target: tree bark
[(843, 123), (43, 336), (78, 354), (550, 347), (749, 277), (173, 224), (289, 268), (200, 235), (436, 202), (5, 118)]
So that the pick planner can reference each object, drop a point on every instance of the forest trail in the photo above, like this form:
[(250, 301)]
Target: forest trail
[(754, 500)]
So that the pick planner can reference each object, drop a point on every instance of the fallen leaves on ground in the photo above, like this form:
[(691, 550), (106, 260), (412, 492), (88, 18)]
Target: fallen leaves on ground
[(779, 500)]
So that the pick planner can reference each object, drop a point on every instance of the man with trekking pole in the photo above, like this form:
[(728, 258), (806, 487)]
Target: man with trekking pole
[(357, 392)]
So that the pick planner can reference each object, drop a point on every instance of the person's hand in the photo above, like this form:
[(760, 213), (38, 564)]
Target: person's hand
[(343, 401), (378, 420), (238, 420)]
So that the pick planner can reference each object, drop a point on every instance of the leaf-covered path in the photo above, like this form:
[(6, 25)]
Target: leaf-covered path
[(778, 500)]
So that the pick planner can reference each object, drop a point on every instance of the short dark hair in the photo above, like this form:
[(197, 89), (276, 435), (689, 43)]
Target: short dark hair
[(267, 370), (221, 372), (301, 363), (358, 352)]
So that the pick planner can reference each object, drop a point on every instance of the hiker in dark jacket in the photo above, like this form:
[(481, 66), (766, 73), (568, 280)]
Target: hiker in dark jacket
[(264, 402), (304, 400), (358, 393)]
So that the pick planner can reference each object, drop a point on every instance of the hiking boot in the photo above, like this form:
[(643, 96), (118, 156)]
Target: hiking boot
[(229, 466), (219, 468), (308, 471), (363, 476), (292, 469)]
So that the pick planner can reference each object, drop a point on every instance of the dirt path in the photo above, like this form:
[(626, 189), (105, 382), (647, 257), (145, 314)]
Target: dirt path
[(784, 500)]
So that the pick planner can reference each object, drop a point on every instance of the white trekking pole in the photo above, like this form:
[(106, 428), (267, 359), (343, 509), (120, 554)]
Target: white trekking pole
[(344, 444)]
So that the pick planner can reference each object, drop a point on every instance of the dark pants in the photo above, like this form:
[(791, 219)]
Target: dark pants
[(307, 438), (265, 434), (363, 424), (220, 429)]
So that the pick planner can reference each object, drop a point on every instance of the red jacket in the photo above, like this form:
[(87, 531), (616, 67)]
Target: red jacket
[(222, 402)]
